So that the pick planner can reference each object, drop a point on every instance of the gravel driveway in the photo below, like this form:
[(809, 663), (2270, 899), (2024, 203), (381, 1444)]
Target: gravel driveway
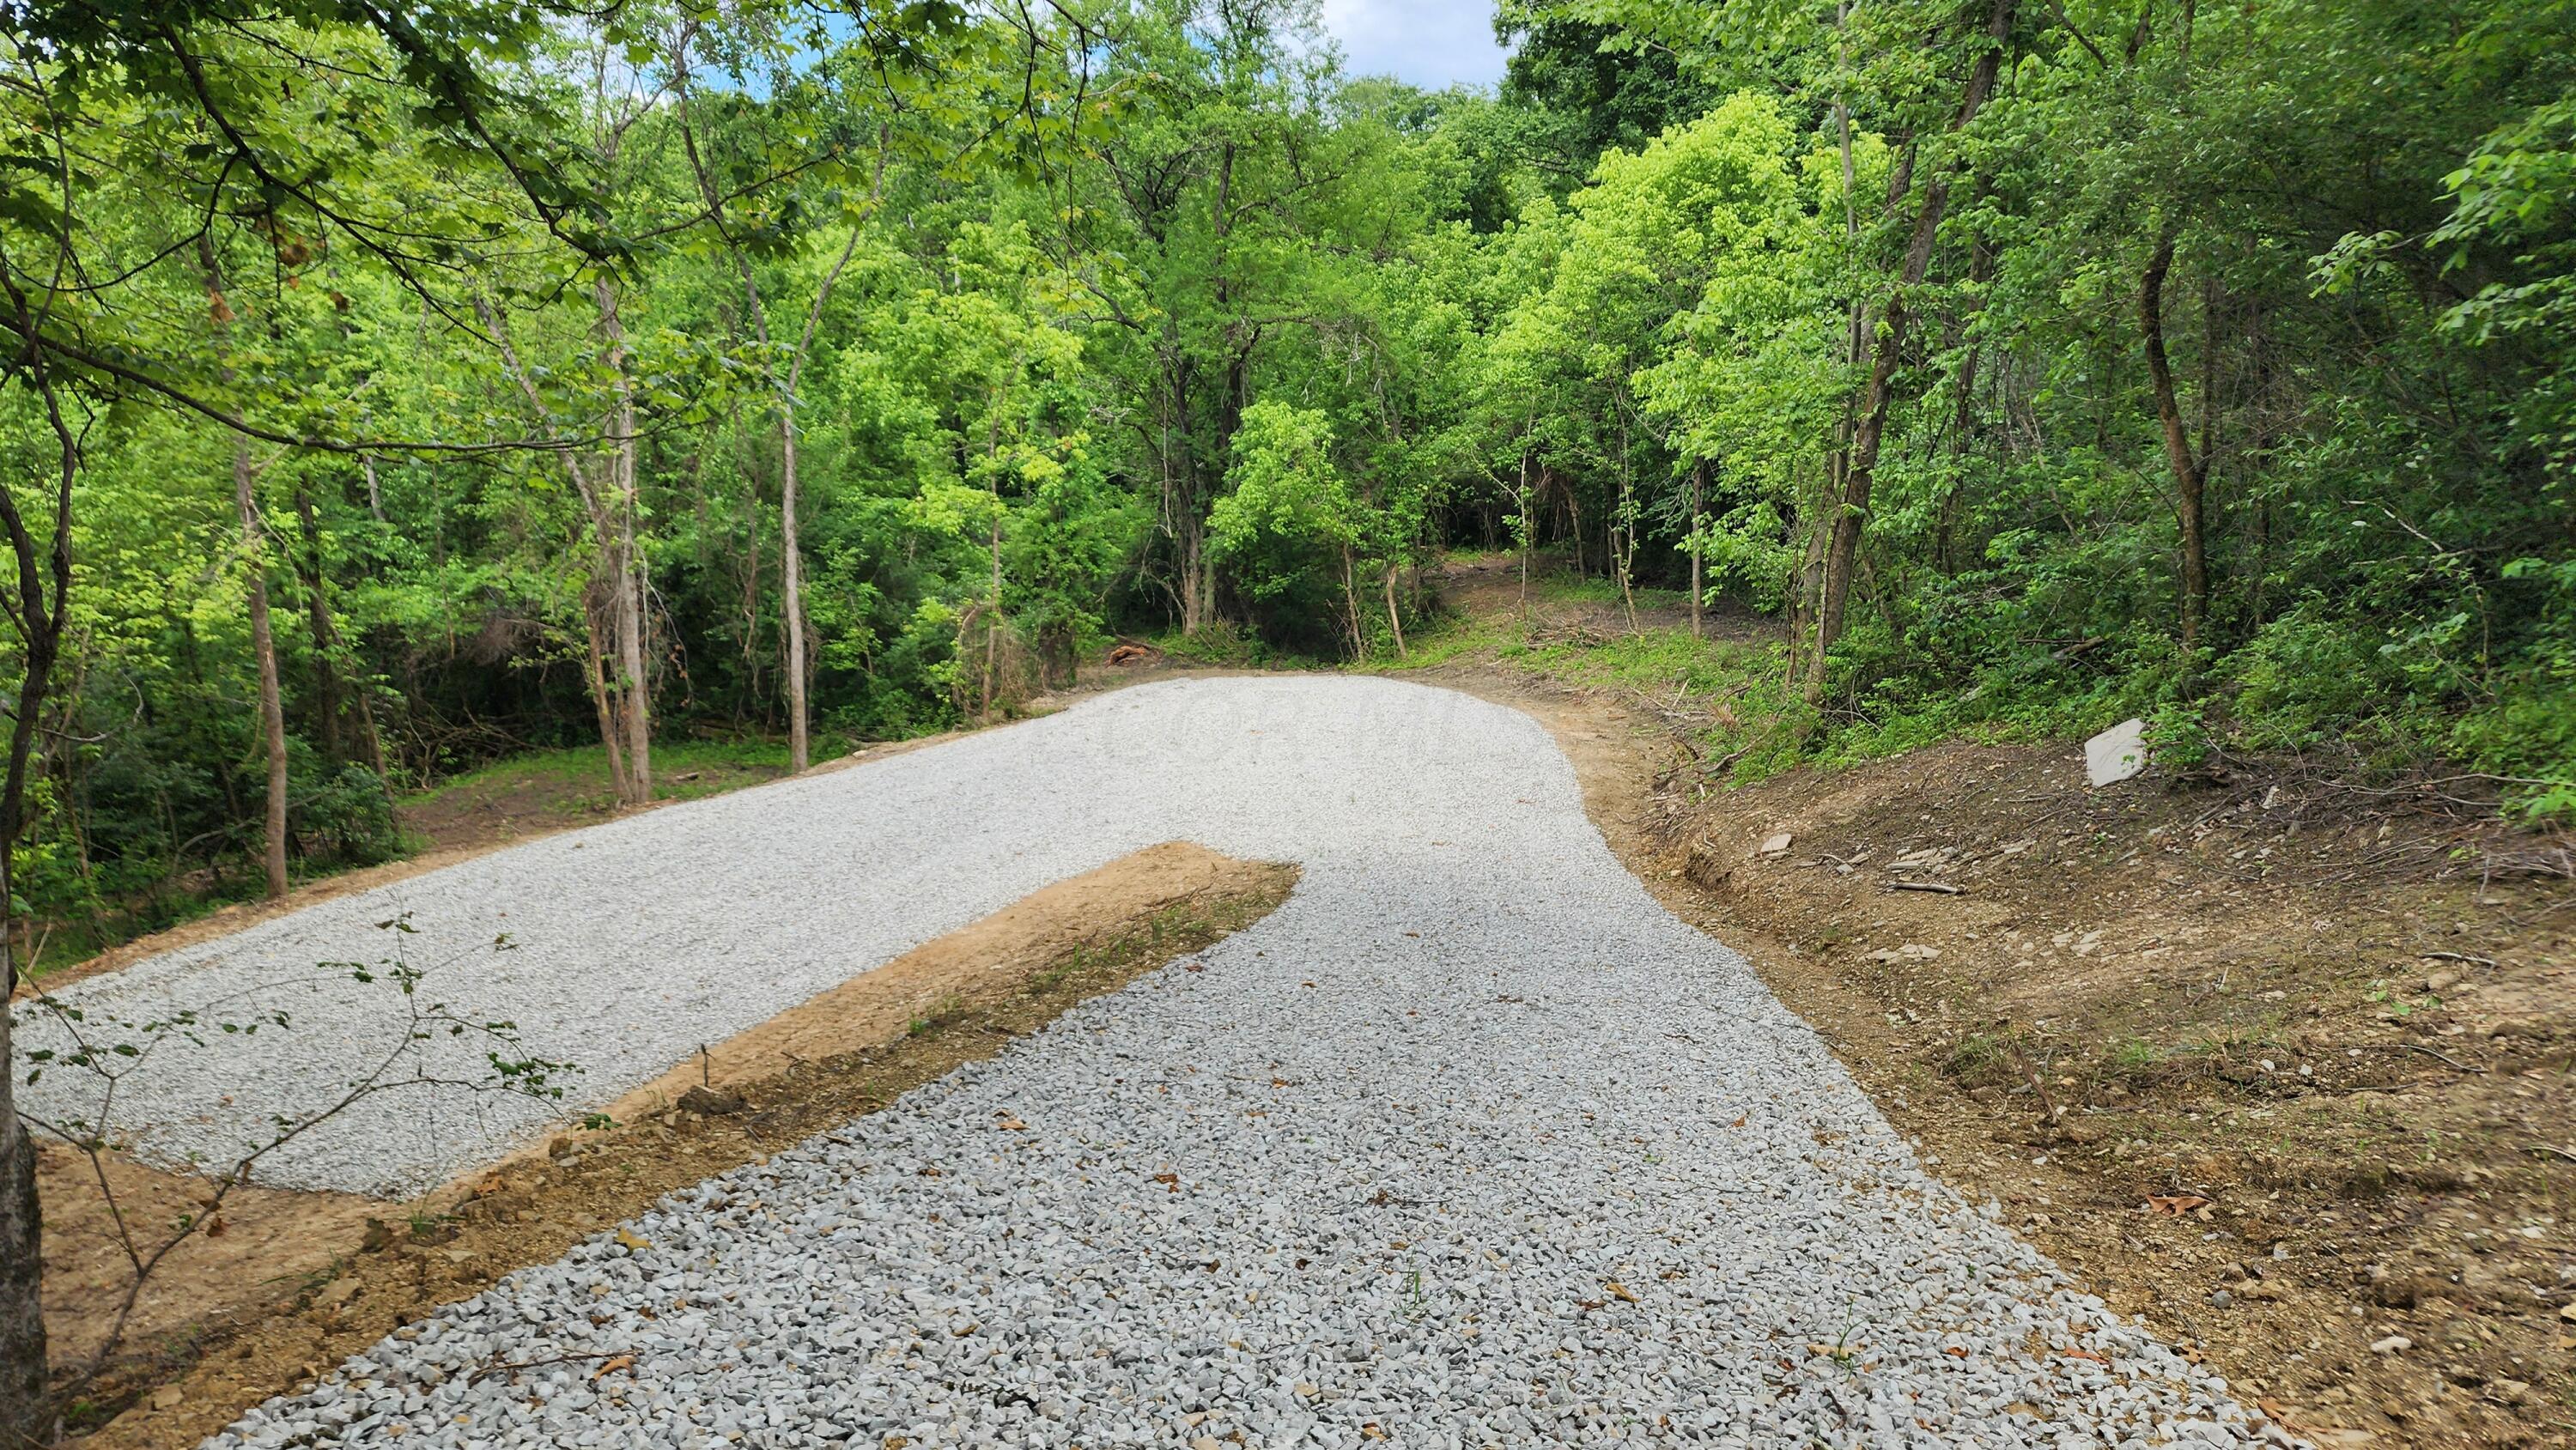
[(1470, 1143)]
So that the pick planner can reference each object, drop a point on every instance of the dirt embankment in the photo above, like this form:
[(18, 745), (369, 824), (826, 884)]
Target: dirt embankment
[(296, 1282), (2283, 1067)]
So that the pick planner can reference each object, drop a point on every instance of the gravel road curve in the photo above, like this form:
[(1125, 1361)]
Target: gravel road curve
[(1469, 1143)]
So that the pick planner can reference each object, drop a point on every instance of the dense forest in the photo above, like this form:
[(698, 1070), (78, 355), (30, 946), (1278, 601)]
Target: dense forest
[(390, 389), (390, 392)]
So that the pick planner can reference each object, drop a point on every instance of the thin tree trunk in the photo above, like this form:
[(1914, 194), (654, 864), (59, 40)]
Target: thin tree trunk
[(25, 1415), (43, 584), (263, 644), (605, 597), (993, 625), (1191, 620), (317, 617), (2189, 472), (1207, 584), (1852, 507), (753, 659), (367, 733), (1529, 532), (1573, 515), (1698, 504), (1981, 270), (799, 751), (1623, 538), (1351, 599), (1393, 624)]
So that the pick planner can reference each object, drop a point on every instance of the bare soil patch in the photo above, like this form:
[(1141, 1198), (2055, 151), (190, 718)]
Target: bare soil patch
[(297, 1282), (264, 1241), (2282, 1067)]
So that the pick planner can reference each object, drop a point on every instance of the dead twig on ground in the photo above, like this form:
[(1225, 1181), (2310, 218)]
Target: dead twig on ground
[(2047, 1104), (2440, 1057)]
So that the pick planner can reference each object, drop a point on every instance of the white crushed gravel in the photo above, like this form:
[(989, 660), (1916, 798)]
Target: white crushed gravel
[(1470, 1143)]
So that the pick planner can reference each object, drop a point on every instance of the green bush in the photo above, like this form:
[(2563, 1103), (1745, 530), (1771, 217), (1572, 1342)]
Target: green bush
[(347, 818), (2306, 679)]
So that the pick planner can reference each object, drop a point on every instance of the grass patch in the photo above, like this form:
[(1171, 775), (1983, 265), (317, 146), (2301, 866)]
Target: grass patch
[(1759, 723)]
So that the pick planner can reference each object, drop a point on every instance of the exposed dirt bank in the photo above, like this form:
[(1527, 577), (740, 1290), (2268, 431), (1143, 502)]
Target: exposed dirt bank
[(2279, 1066)]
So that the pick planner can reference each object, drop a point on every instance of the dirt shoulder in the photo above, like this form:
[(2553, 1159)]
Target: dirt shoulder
[(297, 1282), (2283, 1069)]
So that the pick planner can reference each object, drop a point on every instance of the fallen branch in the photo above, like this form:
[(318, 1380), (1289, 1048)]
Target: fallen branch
[(2549, 1150), (2440, 1057), (1942, 888), (1725, 762), (2047, 1104)]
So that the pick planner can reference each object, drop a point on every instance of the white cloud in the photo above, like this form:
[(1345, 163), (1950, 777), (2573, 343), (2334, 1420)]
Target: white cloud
[(1431, 43)]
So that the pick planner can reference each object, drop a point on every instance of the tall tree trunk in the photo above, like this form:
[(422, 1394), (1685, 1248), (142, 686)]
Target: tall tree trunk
[(317, 618), (1623, 539), (627, 567), (754, 552), (603, 694), (1193, 618), (2189, 471), (43, 584), (993, 621), (1963, 416), (25, 1414), (1394, 625), (1529, 532), (1351, 601), (1842, 545), (263, 641), (368, 735), (1698, 506), (1184, 499), (605, 486), (1206, 579), (799, 752), (263, 644)]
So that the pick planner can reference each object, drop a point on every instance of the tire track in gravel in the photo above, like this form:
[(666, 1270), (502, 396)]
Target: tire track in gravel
[(1469, 1143)]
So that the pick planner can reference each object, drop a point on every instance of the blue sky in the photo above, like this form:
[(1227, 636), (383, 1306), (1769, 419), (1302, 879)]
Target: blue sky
[(1431, 43)]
